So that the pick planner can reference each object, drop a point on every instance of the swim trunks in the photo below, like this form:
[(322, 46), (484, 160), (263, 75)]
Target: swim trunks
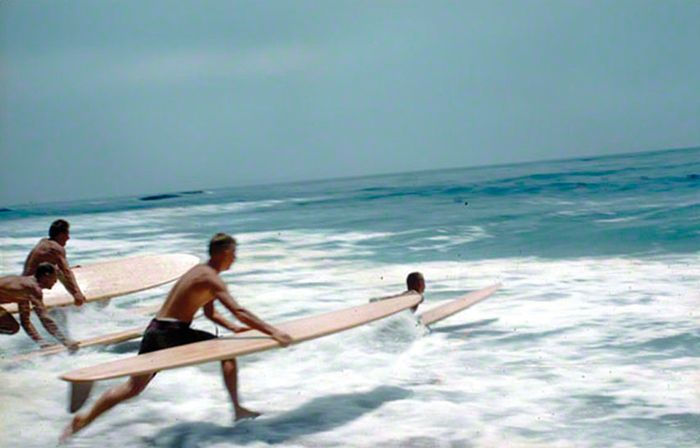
[(162, 333), (8, 324)]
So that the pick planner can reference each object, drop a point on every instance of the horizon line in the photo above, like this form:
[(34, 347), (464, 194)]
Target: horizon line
[(362, 176)]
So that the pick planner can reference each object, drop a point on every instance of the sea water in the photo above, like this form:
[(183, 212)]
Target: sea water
[(593, 340)]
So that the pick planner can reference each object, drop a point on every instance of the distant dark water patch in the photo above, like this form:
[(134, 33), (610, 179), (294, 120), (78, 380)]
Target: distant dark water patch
[(159, 197), (372, 189), (3, 209)]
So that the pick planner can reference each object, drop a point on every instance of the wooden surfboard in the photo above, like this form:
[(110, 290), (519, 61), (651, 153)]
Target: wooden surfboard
[(252, 342), (452, 307), (107, 339), (113, 338), (436, 314), (119, 277)]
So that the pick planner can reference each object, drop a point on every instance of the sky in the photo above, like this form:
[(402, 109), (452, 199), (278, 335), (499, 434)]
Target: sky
[(116, 98)]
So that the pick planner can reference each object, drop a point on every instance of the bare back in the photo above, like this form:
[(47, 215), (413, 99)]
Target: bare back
[(194, 289), (15, 289), (46, 250)]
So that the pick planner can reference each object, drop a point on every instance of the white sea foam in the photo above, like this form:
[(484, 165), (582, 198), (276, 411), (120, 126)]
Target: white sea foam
[(565, 354)]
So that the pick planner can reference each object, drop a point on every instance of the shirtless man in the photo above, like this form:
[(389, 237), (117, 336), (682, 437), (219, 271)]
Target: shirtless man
[(26, 291), (52, 250), (199, 287)]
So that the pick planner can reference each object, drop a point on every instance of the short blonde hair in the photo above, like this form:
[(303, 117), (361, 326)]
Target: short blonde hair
[(221, 242)]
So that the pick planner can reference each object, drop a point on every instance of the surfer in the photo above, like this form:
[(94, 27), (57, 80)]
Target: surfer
[(26, 291), (199, 287), (53, 250), (416, 282)]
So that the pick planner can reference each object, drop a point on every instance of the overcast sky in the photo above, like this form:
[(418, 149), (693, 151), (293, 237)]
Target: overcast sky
[(113, 98)]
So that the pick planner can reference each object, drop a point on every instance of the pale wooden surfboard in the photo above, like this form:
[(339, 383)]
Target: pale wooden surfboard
[(119, 277), (452, 307), (436, 314), (112, 338), (253, 341), (107, 339)]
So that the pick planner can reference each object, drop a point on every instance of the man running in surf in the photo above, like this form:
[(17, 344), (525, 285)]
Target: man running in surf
[(26, 291), (197, 288), (53, 250)]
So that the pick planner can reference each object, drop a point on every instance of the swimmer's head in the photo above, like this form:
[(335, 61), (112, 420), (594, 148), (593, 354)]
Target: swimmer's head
[(415, 282), (60, 231), (222, 249), (46, 275)]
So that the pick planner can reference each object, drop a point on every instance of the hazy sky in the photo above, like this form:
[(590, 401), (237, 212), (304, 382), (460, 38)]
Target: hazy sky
[(112, 98)]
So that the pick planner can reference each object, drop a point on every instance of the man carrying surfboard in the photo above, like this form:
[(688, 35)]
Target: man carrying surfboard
[(197, 288), (26, 291), (52, 250)]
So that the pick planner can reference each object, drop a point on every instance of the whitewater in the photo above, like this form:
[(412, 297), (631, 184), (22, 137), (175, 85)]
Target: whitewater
[(593, 340)]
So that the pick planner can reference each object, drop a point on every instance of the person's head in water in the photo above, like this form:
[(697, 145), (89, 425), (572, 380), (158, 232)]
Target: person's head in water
[(415, 282), (222, 250), (46, 275), (60, 231)]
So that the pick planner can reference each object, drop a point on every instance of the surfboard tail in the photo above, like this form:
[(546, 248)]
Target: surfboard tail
[(79, 393)]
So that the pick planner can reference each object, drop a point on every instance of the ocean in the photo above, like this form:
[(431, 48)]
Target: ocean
[(593, 340)]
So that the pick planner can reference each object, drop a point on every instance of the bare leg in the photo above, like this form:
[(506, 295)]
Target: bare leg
[(8, 324), (134, 386), (230, 371)]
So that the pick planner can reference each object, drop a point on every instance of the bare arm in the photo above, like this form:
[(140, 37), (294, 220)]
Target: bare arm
[(24, 320), (218, 319), (248, 317), (49, 324), (65, 275)]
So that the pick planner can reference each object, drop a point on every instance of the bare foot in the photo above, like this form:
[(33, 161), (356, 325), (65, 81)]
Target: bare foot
[(74, 426), (243, 413)]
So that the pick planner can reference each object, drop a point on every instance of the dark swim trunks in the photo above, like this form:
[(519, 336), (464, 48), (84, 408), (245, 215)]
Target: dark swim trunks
[(162, 334), (8, 324)]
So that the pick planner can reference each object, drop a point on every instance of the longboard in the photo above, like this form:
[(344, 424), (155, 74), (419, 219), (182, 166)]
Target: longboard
[(431, 316), (113, 338), (230, 347), (107, 339), (452, 307), (115, 278)]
